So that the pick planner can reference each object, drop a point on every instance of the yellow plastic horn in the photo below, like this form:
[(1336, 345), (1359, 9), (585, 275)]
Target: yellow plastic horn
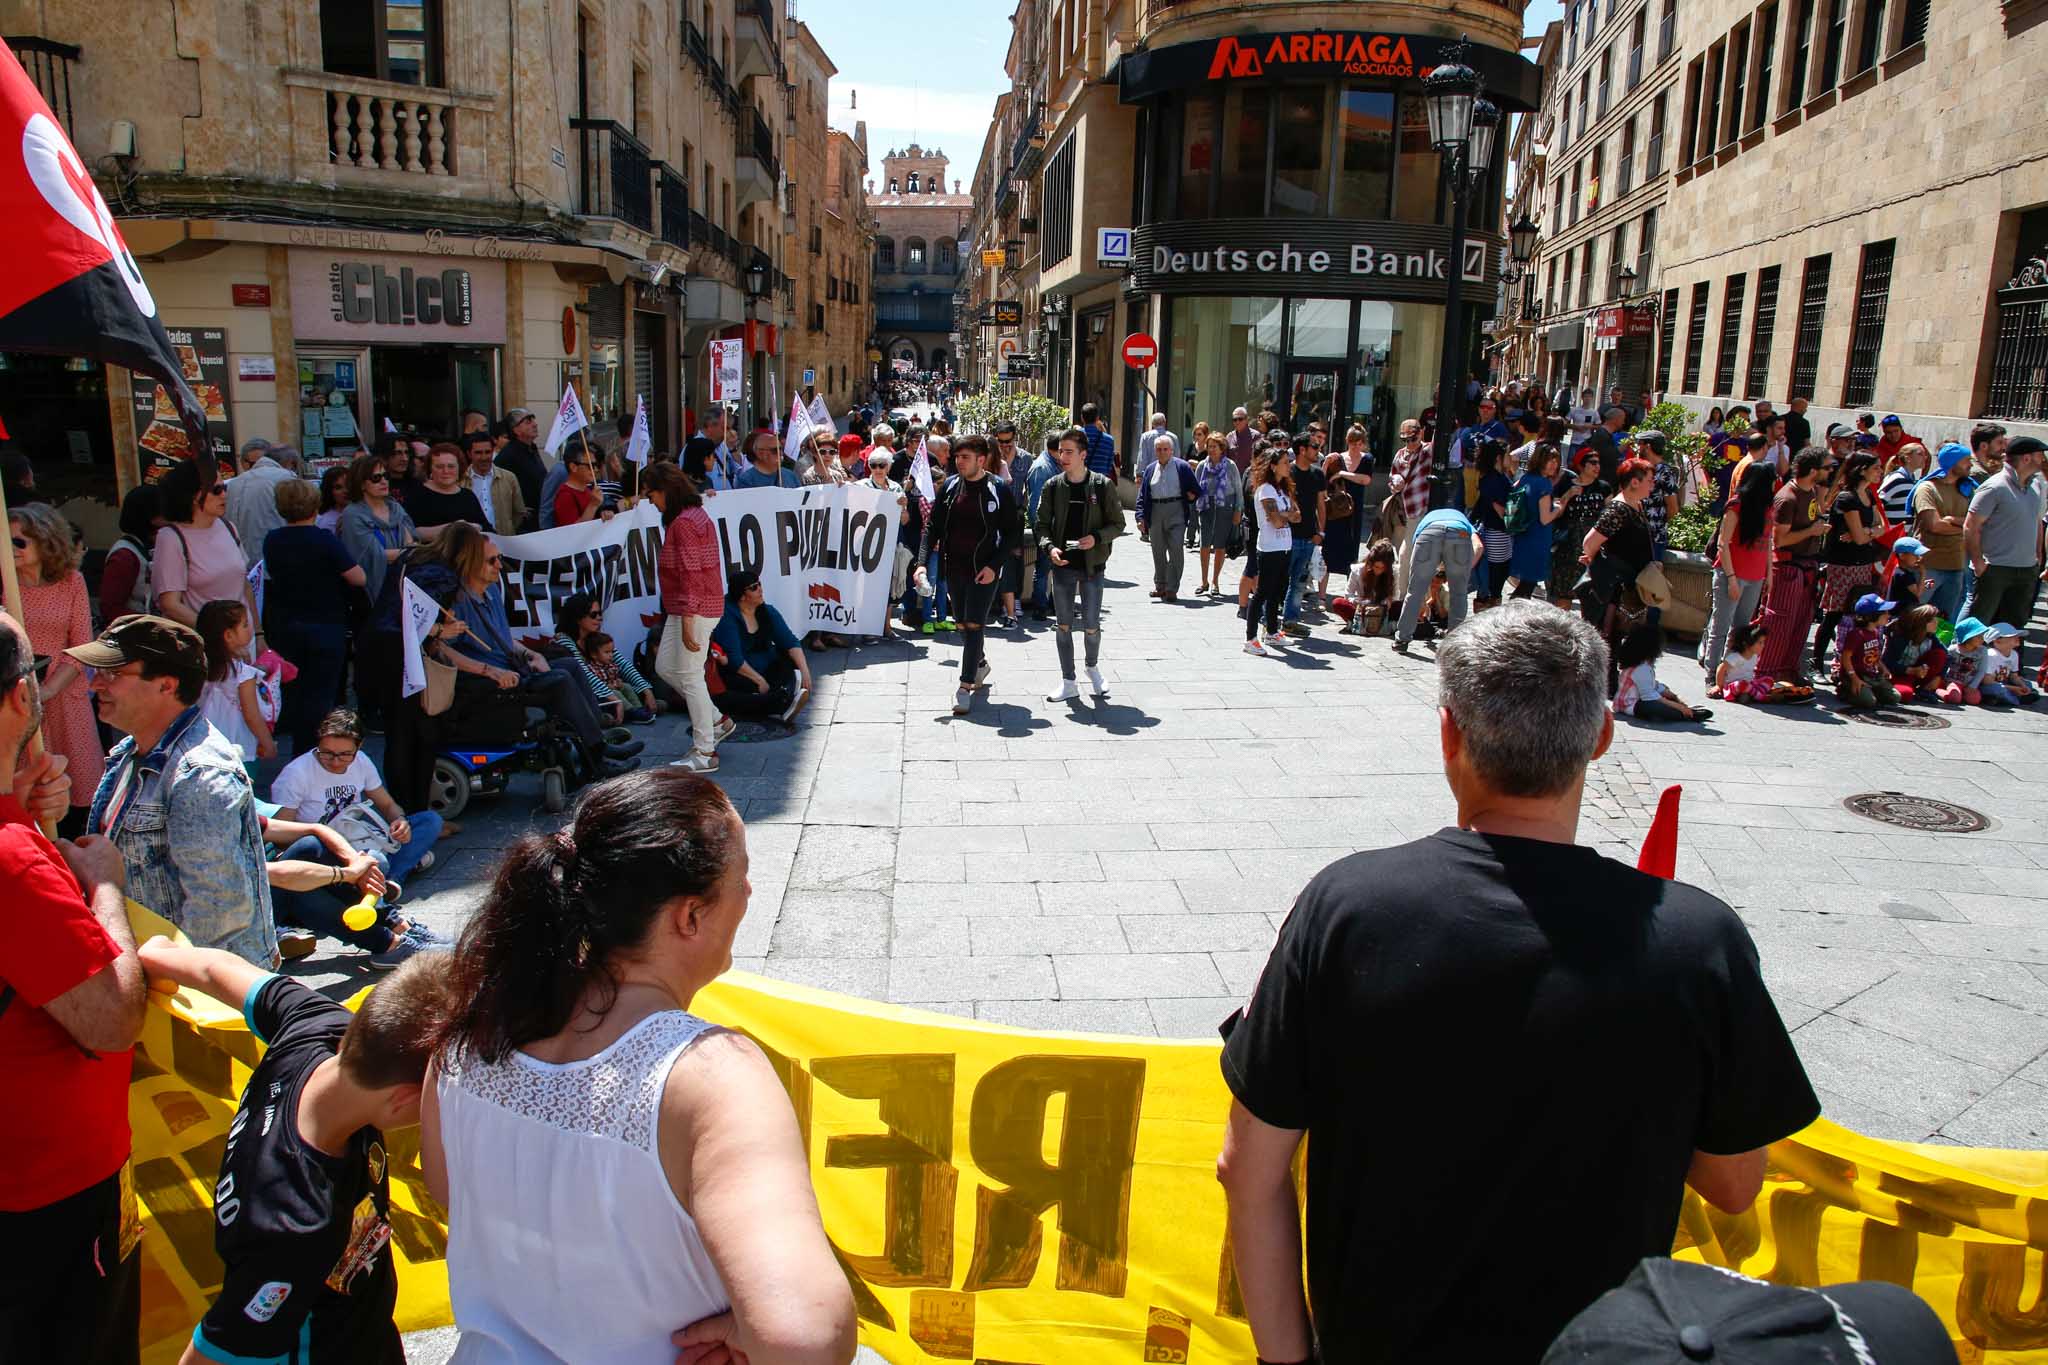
[(361, 915)]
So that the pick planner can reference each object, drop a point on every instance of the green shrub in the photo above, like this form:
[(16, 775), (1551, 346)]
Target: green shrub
[(1034, 414)]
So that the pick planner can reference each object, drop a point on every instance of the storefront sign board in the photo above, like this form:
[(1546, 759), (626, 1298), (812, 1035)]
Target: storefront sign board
[(203, 358), (364, 296), (1332, 257), (726, 360)]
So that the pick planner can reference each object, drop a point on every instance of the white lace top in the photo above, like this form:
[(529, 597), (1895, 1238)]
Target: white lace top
[(565, 1241)]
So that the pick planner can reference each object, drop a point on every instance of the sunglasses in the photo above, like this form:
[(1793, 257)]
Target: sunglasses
[(379, 477), (494, 559), (217, 490), (20, 543)]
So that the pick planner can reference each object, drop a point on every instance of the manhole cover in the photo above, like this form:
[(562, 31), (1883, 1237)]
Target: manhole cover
[(1898, 720), (1922, 813)]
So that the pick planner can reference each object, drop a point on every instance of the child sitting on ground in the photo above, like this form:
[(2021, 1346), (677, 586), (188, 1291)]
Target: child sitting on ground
[(1860, 677), (2002, 678), (1965, 663), (602, 654), (1908, 579), (1372, 590), (1914, 657), (1736, 680), (1640, 694)]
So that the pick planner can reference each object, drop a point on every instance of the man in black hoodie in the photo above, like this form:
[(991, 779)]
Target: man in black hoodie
[(976, 526), (522, 457)]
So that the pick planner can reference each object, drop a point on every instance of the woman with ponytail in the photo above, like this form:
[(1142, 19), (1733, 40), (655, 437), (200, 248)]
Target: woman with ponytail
[(622, 1179)]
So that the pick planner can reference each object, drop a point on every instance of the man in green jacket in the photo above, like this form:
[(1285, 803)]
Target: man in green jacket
[(1079, 514)]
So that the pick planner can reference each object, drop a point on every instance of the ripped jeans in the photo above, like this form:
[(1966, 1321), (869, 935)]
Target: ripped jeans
[(1077, 597)]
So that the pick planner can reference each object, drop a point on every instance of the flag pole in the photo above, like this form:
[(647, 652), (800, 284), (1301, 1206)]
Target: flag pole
[(10, 587)]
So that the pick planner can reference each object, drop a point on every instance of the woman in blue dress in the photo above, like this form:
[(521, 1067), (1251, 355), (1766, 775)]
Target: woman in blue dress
[(1530, 562)]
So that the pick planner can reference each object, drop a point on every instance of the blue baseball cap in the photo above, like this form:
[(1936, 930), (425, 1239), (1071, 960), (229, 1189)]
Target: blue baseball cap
[(1890, 419), (1949, 456), (1907, 545), (2002, 630), (1870, 604), (1969, 628)]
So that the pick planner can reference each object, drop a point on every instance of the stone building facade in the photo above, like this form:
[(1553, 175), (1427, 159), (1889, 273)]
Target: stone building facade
[(829, 253), (597, 184), (1857, 184), (849, 260), (920, 218)]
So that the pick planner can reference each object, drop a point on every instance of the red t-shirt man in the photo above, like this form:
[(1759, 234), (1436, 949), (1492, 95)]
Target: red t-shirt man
[(49, 942), (572, 502)]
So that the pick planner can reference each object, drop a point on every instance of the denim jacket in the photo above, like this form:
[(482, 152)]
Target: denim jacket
[(190, 839)]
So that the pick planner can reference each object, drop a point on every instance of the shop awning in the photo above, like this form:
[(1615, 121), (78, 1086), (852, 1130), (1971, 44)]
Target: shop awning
[(1512, 80)]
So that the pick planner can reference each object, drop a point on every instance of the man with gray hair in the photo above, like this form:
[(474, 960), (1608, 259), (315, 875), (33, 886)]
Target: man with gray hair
[(252, 495), (1474, 1029)]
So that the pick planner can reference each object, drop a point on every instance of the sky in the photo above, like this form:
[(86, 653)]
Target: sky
[(931, 73)]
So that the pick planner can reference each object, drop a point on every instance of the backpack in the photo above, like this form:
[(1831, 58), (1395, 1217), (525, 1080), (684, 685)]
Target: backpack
[(1521, 514)]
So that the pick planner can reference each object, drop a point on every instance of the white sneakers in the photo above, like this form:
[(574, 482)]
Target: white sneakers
[(796, 704), (1069, 691), (1096, 686), (963, 701), (1254, 647), (698, 762)]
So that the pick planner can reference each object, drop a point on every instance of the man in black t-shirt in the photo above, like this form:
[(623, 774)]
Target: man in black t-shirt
[(1308, 532), (1491, 1030), (302, 1210), (1605, 440), (976, 529)]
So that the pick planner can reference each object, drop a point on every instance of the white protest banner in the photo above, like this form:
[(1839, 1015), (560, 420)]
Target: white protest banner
[(921, 473), (824, 553), (725, 370), (639, 443), (613, 560), (800, 430), (569, 419), (415, 619), (820, 414)]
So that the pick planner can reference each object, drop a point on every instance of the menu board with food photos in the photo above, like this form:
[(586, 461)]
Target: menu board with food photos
[(202, 354)]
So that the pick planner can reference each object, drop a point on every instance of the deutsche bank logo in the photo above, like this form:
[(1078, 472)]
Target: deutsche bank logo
[(1113, 246)]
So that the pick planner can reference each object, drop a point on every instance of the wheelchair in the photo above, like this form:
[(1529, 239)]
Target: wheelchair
[(487, 738)]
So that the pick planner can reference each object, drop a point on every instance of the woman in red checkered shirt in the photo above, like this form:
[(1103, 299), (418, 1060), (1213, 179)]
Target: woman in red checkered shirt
[(692, 600)]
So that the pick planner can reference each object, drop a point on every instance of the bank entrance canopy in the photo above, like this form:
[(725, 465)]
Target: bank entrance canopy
[(1512, 81)]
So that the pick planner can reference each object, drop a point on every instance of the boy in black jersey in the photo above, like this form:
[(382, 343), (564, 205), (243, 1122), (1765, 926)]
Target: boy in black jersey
[(302, 1208)]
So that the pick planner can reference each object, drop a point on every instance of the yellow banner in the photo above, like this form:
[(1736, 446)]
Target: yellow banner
[(1006, 1196)]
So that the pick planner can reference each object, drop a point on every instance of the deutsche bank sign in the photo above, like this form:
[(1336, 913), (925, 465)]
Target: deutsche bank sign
[(1257, 256)]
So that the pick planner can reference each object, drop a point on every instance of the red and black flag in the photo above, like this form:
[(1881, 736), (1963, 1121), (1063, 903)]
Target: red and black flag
[(70, 286)]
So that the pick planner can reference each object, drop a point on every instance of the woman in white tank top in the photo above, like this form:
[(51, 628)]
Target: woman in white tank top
[(622, 1178)]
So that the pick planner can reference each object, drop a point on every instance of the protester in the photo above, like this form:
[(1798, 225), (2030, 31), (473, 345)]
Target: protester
[(1665, 482), (1101, 445), (233, 699), (1605, 442), (976, 527), (575, 978), (333, 496), (302, 1207), (124, 575), (618, 691), (175, 798), (495, 491), (315, 877), (1411, 472), (446, 496), (764, 467), (1562, 971), (1542, 505), (199, 557), (1940, 513), (1895, 491), (374, 527), (1795, 570), (335, 784), (1348, 507), (764, 671), (2002, 536), (1852, 551), (1308, 482), (1742, 563), (1489, 517), (1080, 515), (1892, 437), (311, 577), (1615, 553), (479, 603), (67, 960), (56, 613), (1167, 490), (1444, 541), (1219, 508), (522, 457), (692, 573), (1588, 503), (252, 494)]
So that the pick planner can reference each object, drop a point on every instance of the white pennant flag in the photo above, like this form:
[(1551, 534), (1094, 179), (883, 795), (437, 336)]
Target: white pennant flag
[(639, 443), (774, 401), (800, 430), (390, 428), (569, 419), (820, 414), (418, 617), (921, 472)]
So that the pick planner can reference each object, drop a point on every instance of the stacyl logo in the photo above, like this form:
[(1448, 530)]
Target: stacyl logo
[(1361, 55), (827, 605)]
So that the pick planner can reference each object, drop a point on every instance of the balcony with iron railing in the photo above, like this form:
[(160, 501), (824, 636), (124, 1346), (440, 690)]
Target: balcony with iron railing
[(755, 49), (48, 64), (1029, 148), (694, 46), (617, 173), (755, 169), (675, 207)]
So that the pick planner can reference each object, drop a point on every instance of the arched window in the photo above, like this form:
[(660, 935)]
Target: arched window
[(914, 262), (892, 184), (913, 182), (885, 255), (943, 259)]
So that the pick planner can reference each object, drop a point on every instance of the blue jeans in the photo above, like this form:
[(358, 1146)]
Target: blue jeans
[(1297, 578), (320, 910), (941, 603), (1945, 590), (426, 828), (1041, 581)]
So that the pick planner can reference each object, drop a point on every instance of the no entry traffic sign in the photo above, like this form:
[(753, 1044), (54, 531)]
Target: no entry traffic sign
[(1140, 350)]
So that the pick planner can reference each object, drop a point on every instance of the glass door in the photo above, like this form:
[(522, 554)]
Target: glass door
[(1312, 389), (333, 383)]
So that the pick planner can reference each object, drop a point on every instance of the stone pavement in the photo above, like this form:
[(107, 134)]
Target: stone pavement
[(1121, 866)]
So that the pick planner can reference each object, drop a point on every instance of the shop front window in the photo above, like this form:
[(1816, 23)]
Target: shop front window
[(1300, 145), (1394, 373), (1246, 112), (1224, 353), (1415, 166), (1318, 327), (1197, 157), (1365, 157)]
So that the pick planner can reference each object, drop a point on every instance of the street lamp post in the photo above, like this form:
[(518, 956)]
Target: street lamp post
[(1461, 128)]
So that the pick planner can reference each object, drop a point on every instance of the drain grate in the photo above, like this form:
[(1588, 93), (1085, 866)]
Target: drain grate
[(1897, 720), (1922, 813)]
